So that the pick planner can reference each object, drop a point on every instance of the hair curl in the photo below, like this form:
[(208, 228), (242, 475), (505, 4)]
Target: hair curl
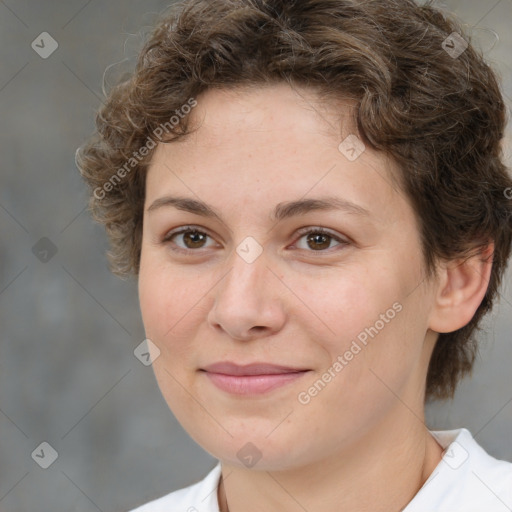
[(440, 118)]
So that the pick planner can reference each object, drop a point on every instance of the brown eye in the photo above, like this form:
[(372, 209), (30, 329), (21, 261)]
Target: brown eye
[(319, 240), (187, 239), (194, 239)]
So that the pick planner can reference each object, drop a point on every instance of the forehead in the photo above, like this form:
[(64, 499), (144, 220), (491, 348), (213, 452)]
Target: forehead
[(272, 144), (272, 108)]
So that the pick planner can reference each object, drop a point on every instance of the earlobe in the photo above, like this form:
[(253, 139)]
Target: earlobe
[(461, 287)]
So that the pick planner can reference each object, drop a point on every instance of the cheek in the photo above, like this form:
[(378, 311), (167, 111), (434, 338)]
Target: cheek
[(343, 306), (174, 304), (369, 318), (162, 291), (166, 300), (170, 313)]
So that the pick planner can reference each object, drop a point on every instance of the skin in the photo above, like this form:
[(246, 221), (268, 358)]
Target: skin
[(361, 442)]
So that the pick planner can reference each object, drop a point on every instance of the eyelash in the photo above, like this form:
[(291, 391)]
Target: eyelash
[(302, 232)]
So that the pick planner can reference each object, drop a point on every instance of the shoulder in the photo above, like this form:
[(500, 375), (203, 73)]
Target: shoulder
[(467, 478), (199, 497)]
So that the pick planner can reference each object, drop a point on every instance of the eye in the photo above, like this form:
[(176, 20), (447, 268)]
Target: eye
[(191, 239), (319, 239)]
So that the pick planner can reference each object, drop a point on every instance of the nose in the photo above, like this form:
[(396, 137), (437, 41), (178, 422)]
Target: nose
[(248, 302)]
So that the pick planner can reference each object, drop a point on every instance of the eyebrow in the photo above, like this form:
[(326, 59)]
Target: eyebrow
[(281, 211)]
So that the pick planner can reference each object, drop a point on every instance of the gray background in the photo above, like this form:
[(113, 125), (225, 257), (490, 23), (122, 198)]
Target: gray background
[(68, 375)]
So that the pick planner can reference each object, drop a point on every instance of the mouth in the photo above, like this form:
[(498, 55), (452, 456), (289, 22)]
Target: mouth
[(252, 379)]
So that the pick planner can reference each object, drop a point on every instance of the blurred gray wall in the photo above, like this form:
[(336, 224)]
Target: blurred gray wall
[(68, 376)]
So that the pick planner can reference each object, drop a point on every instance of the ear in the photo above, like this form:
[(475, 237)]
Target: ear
[(461, 287)]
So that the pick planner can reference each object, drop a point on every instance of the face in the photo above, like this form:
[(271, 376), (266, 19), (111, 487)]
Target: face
[(286, 289)]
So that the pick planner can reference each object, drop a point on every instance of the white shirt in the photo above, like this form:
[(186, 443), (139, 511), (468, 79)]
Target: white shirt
[(467, 479)]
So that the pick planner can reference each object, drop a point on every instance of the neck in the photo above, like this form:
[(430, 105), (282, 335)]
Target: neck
[(382, 471)]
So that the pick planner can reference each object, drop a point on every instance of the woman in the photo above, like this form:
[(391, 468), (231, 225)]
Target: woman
[(313, 197)]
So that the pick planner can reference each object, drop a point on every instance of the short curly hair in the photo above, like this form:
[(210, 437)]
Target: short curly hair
[(423, 95)]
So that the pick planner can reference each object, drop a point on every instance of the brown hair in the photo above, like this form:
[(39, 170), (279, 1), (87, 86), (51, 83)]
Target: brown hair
[(438, 114)]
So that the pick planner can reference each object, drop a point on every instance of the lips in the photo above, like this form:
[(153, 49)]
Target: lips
[(251, 379), (228, 368)]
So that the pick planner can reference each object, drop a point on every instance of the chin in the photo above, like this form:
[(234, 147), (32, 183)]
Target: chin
[(255, 450)]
